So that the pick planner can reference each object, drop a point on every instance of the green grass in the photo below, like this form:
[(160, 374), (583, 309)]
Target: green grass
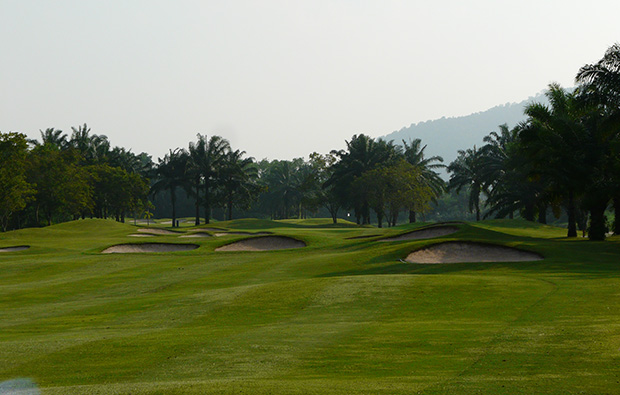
[(341, 316)]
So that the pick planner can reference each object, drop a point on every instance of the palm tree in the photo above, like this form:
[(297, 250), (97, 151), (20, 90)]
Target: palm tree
[(467, 173), (93, 148), (600, 88), (171, 173), (363, 154), (206, 157), (194, 172), (600, 82), (553, 138), (237, 176), (414, 154), (54, 137), (284, 182)]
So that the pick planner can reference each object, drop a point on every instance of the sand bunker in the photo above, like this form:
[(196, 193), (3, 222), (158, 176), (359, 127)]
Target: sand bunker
[(426, 233), (197, 234), (220, 234), (208, 229), (457, 251), (148, 247), (155, 231), (142, 235), (14, 248), (266, 243)]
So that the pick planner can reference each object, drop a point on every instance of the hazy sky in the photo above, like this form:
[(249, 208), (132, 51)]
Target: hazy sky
[(281, 78)]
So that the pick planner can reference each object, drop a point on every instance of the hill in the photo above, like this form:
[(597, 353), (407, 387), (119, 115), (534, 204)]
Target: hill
[(445, 136)]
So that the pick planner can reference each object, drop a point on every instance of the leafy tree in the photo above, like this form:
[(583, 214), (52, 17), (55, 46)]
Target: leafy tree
[(414, 154), (62, 185), (16, 191), (324, 193), (389, 189)]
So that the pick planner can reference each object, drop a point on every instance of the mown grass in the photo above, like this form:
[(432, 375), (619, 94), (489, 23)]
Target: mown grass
[(341, 316)]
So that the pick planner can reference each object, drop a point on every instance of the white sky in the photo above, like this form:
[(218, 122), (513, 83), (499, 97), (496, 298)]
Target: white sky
[(281, 78)]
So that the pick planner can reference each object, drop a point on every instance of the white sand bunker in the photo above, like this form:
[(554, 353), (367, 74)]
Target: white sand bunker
[(155, 231), (148, 247), (197, 234), (266, 243), (220, 234), (426, 233), (14, 248), (458, 251)]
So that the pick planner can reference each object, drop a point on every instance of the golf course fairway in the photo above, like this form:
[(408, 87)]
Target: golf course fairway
[(343, 315)]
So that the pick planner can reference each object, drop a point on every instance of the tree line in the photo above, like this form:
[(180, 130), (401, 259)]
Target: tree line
[(564, 159), (65, 177)]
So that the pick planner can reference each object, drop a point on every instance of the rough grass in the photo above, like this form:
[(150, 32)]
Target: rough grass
[(341, 316)]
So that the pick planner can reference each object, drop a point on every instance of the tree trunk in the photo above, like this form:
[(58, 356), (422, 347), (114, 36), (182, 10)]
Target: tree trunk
[(334, 213), (616, 228), (412, 216), (572, 220), (528, 212), (173, 200), (597, 221), (207, 202), (542, 214), (230, 204), (197, 187)]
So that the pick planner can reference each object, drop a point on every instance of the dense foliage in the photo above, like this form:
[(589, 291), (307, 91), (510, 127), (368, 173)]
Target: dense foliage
[(564, 158)]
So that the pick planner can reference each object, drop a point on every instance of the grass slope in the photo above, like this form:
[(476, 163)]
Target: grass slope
[(341, 316)]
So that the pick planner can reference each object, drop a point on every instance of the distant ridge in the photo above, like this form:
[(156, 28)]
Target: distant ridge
[(445, 136)]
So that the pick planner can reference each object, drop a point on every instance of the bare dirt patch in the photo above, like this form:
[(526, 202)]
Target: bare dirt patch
[(197, 234), (266, 243), (14, 248), (426, 233), (155, 231), (148, 247), (458, 251)]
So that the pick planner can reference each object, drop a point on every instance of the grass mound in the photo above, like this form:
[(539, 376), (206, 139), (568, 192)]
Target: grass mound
[(197, 234), (425, 233), (155, 231)]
